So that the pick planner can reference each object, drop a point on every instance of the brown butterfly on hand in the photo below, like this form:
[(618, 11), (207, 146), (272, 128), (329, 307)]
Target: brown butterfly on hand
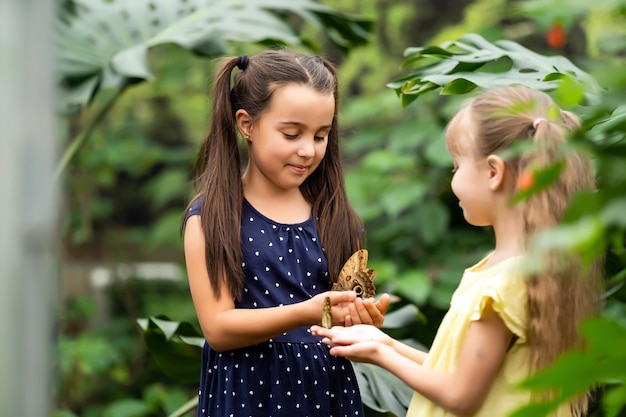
[(354, 276)]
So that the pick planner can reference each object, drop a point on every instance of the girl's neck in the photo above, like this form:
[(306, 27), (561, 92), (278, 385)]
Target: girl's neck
[(283, 206), (509, 237)]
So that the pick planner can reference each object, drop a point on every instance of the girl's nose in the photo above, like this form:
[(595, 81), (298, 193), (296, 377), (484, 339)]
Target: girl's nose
[(307, 148)]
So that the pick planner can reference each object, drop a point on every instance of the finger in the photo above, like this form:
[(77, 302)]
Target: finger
[(373, 308), (339, 297), (375, 317), (320, 331), (315, 329), (344, 351), (348, 321), (353, 314), (383, 303), (364, 309), (337, 351)]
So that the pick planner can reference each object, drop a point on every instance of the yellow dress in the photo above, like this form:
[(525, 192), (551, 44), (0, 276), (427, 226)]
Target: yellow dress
[(506, 287)]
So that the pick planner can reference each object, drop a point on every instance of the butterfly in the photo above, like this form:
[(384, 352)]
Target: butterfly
[(354, 276)]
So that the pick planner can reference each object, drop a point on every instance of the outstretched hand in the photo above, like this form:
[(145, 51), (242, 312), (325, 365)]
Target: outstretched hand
[(358, 343)]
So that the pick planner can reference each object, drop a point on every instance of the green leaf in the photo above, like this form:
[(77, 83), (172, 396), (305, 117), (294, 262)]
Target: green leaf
[(403, 317), (167, 187), (584, 236), (569, 92), (542, 179), (106, 43), (165, 230), (386, 161), (614, 400), (433, 217), (381, 390), (158, 396), (602, 361), (471, 62), (458, 86), (614, 213), (185, 408), (401, 196), (414, 285), (127, 408), (175, 346)]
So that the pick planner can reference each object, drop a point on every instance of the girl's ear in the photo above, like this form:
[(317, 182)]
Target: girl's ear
[(495, 172), (244, 123)]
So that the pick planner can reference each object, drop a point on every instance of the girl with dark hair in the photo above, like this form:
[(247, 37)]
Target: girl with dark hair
[(263, 247), (516, 310)]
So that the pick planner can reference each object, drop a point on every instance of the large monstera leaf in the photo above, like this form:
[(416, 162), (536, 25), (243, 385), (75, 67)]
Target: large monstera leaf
[(460, 66), (104, 44)]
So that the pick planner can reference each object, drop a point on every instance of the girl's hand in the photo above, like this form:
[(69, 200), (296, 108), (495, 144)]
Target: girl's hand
[(359, 343), (368, 311), (340, 302), (345, 336)]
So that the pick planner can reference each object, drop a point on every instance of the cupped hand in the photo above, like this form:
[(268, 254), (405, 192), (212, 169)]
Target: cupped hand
[(368, 311), (359, 343), (343, 336)]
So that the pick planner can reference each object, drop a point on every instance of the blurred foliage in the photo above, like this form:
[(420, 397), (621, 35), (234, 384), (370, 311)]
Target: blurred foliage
[(103, 369), (129, 183), (601, 361)]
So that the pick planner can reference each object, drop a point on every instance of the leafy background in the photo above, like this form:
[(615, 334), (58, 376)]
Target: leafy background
[(135, 78)]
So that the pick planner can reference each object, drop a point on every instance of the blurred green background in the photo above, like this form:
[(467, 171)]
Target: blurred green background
[(136, 77)]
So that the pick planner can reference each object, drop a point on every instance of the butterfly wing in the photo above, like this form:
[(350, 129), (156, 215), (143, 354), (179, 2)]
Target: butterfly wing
[(356, 276), (363, 283), (327, 317)]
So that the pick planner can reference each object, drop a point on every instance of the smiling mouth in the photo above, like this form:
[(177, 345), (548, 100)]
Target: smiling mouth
[(299, 168)]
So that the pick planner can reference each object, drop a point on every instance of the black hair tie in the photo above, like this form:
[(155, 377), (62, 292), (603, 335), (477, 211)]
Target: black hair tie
[(242, 62)]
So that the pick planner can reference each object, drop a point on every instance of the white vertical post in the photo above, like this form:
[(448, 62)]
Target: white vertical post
[(28, 207)]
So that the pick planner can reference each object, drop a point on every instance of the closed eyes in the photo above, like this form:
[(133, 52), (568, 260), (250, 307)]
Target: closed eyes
[(293, 137)]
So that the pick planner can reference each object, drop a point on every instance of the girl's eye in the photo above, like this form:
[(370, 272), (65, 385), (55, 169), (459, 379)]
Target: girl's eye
[(290, 137), (321, 136)]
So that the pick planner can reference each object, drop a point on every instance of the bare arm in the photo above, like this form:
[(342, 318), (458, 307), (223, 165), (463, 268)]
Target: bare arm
[(225, 327), (463, 391)]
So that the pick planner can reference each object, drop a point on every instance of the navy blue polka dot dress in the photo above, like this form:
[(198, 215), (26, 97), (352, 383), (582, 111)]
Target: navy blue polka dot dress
[(291, 375)]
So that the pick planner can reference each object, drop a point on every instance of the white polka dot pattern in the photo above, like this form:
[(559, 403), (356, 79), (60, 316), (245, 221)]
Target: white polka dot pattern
[(291, 375)]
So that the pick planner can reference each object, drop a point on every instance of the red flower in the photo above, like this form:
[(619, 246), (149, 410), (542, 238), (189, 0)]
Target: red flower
[(556, 36)]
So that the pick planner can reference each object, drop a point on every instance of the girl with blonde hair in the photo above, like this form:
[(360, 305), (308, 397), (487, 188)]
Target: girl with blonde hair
[(515, 310)]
